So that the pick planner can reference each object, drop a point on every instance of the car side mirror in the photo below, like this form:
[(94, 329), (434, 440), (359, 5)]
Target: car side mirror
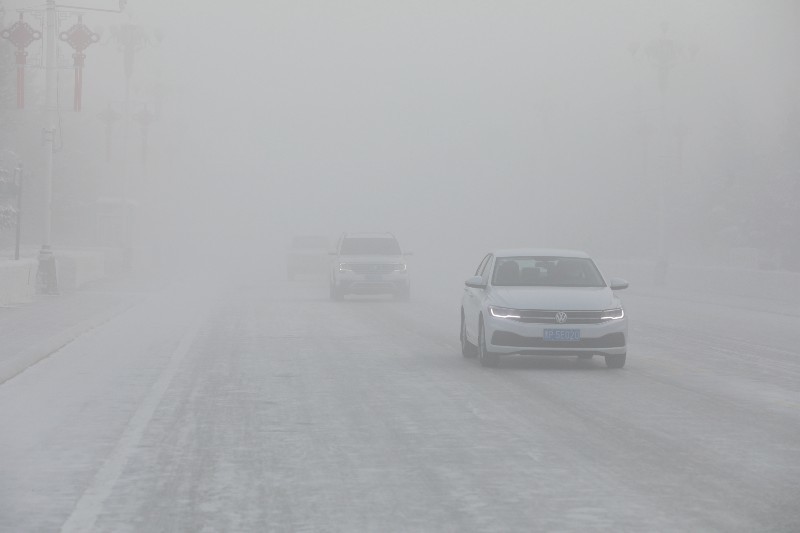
[(617, 284), (476, 282)]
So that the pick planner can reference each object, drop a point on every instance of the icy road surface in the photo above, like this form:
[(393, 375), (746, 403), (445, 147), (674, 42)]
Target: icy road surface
[(261, 409)]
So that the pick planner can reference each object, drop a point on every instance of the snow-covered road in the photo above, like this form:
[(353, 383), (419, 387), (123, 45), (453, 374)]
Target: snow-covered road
[(272, 408)]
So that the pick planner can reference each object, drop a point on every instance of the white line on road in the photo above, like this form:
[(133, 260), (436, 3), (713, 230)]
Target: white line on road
[(90, 504)]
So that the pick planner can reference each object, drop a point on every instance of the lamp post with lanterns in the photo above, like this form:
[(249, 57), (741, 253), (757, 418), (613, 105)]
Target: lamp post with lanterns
[(79, 37), (132, 38)]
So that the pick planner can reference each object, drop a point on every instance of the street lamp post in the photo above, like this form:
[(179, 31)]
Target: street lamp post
[(130, 38), (144, 118), (109, 118), (46, 276), (664, 54)]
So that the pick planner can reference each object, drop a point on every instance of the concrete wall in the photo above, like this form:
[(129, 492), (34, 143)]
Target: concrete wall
[(114, 261), (76, 268), (17, 281)]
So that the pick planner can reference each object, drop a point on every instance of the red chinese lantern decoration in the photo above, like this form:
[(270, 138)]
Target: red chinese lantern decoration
[(79, 37), (21, 35)]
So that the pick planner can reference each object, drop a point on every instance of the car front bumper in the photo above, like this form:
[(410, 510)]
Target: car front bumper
[(386, 283), (506, 336)]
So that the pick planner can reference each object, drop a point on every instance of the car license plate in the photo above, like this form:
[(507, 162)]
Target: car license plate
[(562, 335)]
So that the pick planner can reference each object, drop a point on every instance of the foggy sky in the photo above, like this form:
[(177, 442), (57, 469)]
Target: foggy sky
[(498, 123)]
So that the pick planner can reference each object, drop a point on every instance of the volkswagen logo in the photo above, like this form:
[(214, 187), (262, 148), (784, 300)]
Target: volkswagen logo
[(561, 317)]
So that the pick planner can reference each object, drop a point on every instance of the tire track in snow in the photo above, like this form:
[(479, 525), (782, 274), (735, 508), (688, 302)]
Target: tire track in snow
[(90, 505)]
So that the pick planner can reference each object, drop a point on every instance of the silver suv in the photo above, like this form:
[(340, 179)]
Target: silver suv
[(369, 263)]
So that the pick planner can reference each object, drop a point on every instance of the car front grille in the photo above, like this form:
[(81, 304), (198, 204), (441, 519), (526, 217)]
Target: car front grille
[(536, 316), (371, 268)]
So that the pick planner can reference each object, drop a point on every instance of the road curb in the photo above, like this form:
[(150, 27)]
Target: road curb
[(20, 362)]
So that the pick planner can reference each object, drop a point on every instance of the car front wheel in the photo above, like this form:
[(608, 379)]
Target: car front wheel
[(468, 349), (486, 357), (403, 294), (337, 294), (615, 361)]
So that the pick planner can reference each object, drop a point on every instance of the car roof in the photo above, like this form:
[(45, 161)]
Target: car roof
[(539, 252)]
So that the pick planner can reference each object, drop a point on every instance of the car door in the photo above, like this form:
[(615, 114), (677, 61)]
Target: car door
[(473, 298)]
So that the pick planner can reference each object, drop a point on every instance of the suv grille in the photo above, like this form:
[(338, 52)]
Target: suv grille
[(372, 268)]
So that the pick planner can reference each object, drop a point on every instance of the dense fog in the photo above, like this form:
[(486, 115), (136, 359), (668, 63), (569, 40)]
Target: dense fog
[(195, 353), (458, 125)]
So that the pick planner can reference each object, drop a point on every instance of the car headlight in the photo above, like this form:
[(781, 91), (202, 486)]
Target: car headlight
[(613, 314), (400, 267), (344, 267), (503, 312)]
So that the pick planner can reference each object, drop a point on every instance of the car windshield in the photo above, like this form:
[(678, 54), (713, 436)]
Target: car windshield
[(370, 246), (309, 241), (546, 272)]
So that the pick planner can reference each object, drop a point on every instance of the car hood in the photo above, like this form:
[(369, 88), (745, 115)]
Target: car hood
[(370, 258), (554, 298)]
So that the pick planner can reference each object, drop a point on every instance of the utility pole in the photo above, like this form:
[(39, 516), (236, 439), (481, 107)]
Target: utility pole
[(144, 118), (20, 178), (131, 38), (46, 275)]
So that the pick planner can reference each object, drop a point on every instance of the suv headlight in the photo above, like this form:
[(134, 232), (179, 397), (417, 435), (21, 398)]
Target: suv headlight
[(400, 267), (503, 312), (613, 314), (345, 267)]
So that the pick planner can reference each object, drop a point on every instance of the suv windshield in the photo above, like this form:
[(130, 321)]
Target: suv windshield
[(546, 272), (369, 246)]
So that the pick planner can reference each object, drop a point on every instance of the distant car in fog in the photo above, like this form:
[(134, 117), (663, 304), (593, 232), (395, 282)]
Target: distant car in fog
[(542, 302), (307, 254), (369, 263)]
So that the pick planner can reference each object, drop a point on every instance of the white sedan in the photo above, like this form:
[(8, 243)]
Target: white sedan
[(542, 302)]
